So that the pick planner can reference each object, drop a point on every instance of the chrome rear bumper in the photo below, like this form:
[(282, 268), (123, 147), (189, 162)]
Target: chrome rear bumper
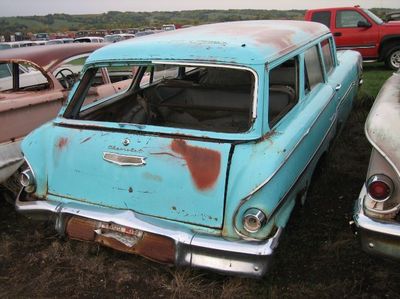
[(377, 236), (200, 250)]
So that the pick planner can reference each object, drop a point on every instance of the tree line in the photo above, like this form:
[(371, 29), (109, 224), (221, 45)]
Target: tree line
[(116, 19)]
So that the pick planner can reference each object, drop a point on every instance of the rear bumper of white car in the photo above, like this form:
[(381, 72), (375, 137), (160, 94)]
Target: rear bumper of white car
[(377, 236)]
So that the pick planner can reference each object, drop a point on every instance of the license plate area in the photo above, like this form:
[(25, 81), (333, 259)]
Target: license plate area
[(155, 247)]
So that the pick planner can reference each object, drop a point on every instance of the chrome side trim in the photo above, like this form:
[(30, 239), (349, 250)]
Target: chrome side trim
[(124, 160), (356, 47)]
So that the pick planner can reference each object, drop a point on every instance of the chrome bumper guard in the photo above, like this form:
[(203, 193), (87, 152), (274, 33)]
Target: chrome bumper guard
[(243, 258), (377, 236)]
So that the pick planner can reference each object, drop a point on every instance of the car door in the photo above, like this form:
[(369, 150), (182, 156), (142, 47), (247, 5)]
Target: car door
[(350, 35), (339, 80)]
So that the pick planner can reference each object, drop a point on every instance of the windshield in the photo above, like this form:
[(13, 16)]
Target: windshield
[(374, 17), (206, 98), (4, 46), (112, 38)]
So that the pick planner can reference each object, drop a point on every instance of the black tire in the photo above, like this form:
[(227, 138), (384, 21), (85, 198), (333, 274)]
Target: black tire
[(392, 59)]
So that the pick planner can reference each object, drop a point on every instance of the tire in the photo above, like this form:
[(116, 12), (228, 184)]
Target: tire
[(392, 60)]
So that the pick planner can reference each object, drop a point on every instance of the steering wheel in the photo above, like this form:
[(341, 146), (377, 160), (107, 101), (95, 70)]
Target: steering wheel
[(66, 77)]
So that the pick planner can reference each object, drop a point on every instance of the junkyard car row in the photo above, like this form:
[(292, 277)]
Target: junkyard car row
[(192, 147)]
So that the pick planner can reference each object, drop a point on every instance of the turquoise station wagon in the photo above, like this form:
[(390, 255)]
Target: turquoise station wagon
[(206, 139)]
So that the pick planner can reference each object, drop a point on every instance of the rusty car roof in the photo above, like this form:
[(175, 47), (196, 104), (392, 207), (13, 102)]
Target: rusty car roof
[(242, 42), (48, 57)]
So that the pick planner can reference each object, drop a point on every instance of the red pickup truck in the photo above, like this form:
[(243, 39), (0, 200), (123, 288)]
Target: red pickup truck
[(359, 29)]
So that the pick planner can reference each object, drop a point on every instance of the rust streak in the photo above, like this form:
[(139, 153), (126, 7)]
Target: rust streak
[(62, 142), (204, 164), (269, 135)]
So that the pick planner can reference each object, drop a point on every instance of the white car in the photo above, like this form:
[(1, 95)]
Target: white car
[(89, 39)]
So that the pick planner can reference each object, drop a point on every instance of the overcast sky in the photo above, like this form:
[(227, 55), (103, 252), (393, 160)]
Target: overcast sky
[(43, 7)]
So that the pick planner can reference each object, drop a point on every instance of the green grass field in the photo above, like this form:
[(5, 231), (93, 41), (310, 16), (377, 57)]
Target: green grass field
[(374, 75)]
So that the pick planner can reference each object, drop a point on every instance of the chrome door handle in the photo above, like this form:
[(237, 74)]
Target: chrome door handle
[(339, 86)]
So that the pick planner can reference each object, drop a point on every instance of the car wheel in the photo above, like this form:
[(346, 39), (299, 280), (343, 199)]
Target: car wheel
[(393, 58)]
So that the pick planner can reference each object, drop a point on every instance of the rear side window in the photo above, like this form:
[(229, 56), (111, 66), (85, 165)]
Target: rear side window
[(323, 17), (4, 70), (348, 19), (327, 55), (29, 78), (283, 90), (313, 68)]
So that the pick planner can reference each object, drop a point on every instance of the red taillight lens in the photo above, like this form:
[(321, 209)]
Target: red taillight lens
[(379, 187)]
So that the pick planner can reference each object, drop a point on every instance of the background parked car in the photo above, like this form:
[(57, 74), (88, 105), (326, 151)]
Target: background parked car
[(113, 38), (34, 84), (359, 29), (20, 44), (393, 16), (89, 39), (377, 212)]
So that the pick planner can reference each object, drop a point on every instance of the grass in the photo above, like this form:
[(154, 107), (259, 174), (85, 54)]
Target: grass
[(374, 75)]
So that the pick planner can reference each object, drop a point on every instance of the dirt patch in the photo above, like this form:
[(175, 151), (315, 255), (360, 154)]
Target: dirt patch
[(318, 255)]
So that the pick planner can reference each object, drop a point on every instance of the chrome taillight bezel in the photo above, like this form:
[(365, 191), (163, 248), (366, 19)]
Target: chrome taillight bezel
[(385, 180), (253, 220), (27, 180)]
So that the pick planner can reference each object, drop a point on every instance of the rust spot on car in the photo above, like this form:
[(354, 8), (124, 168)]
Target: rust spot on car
[(62, 142), (204, 164), (269, 135)]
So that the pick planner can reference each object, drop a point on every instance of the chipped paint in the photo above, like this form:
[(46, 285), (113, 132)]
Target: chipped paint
[(152, 177), (269, 135), (265, 40), (62, 142), (204, 164)]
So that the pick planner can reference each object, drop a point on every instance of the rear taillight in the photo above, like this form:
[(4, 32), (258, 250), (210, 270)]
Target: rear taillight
[(253, 220), (27, 180), (380, 187)]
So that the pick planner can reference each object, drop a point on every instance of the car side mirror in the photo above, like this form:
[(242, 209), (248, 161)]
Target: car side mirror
[(364, 24)]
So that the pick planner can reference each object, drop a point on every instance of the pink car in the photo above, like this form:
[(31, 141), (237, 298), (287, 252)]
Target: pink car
[(34, 84)]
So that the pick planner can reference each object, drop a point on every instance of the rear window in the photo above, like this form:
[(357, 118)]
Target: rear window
[(323, 17), (190, 97)]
